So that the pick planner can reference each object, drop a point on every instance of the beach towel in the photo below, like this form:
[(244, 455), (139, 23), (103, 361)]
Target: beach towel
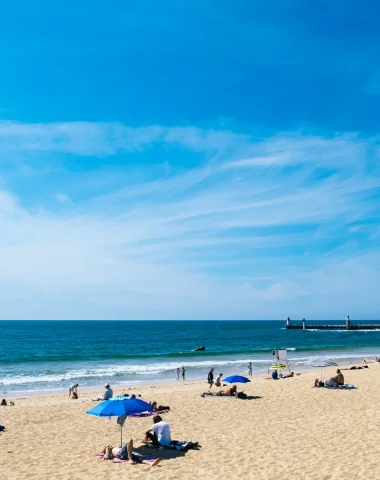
[(218, 396), (183, 445), (149, 414), (100, 456), (346, 386)]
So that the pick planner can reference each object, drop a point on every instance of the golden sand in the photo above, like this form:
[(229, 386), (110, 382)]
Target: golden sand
[(292, 431)]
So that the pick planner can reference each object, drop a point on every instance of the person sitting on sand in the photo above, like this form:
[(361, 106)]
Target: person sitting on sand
[(231, 392), (218, 381), (159, 433), (108, 394), (275, 375), (126, 453), (335, 381), (3, 403)]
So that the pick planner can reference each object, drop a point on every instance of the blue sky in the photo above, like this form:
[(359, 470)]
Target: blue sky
[(188, 160)]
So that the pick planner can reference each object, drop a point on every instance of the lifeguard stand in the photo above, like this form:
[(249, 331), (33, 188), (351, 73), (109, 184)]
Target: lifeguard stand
[(281, 358)]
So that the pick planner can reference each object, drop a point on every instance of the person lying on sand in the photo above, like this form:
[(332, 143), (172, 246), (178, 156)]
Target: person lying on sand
[(291, 374), (126, 453), (222, 393), (159, 408), (355, 368)]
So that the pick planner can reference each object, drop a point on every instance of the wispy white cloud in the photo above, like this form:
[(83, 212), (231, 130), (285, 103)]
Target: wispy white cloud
[(225, 239), (103, 139), (61, 197)]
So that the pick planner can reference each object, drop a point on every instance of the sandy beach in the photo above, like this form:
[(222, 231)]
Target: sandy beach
[(290, 431)]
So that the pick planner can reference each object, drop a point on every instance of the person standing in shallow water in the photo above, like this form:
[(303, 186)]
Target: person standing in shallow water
[(177, 372), (250, 369), (210, 378), (183, 373)]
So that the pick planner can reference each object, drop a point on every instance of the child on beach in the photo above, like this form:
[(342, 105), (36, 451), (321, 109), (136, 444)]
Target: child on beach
[(218, 381), (73, 391)]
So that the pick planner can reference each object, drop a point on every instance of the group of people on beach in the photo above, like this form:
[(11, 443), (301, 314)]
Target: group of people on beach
[(179, 372), (158, 434), (333, 382), (107, 395)]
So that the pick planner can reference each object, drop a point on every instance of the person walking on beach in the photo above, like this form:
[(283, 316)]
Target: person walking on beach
[(250, 369), (210, 378), (177, 373), (183, 373)]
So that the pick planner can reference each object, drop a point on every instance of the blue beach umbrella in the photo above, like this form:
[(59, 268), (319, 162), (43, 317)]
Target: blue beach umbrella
[(237, 379), (120, 407)]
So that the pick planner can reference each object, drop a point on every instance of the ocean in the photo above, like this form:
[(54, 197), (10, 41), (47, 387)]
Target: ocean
[(46, 356)]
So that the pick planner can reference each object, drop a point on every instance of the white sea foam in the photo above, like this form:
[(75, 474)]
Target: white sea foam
[(134, 372)]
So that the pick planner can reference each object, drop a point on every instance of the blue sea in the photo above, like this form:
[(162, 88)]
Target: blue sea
[(42, 356)]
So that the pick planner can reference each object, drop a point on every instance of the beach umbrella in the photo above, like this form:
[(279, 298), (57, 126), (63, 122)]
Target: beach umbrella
[(280, 366), (236, 379), (120, 407), (323, 363)]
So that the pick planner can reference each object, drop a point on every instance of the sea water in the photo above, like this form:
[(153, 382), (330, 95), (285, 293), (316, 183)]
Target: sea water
[(38, 356)]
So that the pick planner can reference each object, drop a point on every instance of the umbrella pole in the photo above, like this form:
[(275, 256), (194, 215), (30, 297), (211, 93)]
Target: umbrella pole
[(121, 436)]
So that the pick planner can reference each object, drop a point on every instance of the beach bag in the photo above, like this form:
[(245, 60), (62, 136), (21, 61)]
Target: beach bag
[(242, 395), (182, 445)]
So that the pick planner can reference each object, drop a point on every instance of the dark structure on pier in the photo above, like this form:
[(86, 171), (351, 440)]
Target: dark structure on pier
[(342, 326)]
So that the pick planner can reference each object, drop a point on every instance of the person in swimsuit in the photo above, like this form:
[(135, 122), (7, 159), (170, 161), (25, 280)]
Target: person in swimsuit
[(73, 391), (231, 392), (335, 381), (218, 381), (126, 453)]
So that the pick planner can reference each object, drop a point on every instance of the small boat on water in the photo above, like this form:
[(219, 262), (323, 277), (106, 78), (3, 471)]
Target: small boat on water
[(199, 349)]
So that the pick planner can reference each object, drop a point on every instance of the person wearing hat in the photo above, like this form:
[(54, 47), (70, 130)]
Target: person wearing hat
[(108, 393)]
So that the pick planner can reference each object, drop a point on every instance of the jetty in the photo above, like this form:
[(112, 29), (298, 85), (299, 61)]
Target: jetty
[(340, 326)]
